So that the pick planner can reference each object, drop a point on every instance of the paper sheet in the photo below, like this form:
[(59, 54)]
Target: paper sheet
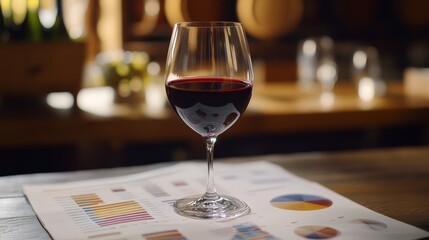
[(283, 206)]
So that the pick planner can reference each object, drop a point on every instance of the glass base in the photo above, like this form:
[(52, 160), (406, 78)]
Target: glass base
[(211, 206)]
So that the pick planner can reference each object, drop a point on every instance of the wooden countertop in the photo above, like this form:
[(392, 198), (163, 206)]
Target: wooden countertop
[(393, 182), (274, 109)]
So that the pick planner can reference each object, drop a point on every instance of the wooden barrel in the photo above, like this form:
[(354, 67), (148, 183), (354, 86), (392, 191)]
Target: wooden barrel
[(269, 19), (197, 10)]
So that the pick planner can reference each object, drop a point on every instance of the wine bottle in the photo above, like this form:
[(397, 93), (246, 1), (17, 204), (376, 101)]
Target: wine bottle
[(33, 25), (1, 25), (58, 30), (48, 12), (6, 17), (18, 16)]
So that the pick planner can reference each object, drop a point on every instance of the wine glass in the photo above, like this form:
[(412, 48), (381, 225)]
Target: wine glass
[(209, 82)]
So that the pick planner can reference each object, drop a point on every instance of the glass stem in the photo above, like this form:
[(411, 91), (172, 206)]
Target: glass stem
[(210, 190)]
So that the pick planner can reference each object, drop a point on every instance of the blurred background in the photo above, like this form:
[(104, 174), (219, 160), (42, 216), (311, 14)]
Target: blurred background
[(81, 82)]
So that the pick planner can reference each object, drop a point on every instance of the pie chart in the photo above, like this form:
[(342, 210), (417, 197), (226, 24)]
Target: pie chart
[(372, 224), (301, 202), (316, 232)]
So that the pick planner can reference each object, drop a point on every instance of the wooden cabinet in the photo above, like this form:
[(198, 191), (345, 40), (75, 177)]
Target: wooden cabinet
[(39, 68)]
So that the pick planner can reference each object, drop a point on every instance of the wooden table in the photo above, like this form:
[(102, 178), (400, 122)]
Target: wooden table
[(393, 182)]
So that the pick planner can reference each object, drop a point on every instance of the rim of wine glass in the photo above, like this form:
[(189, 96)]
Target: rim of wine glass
[(208, 24)]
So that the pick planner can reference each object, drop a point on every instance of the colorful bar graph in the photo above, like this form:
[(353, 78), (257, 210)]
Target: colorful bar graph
[(251, 231), (117, 213), (165, 235), (89, 199)]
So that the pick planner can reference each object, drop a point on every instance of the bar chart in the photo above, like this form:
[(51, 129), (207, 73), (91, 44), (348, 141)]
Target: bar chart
[(139, 206)]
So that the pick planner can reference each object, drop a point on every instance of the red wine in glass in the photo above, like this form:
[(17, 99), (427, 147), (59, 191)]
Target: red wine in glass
[(209, 105), (208, 80)]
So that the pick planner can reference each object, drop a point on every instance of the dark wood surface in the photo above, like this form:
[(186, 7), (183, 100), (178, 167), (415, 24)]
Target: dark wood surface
[(393, 182)]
